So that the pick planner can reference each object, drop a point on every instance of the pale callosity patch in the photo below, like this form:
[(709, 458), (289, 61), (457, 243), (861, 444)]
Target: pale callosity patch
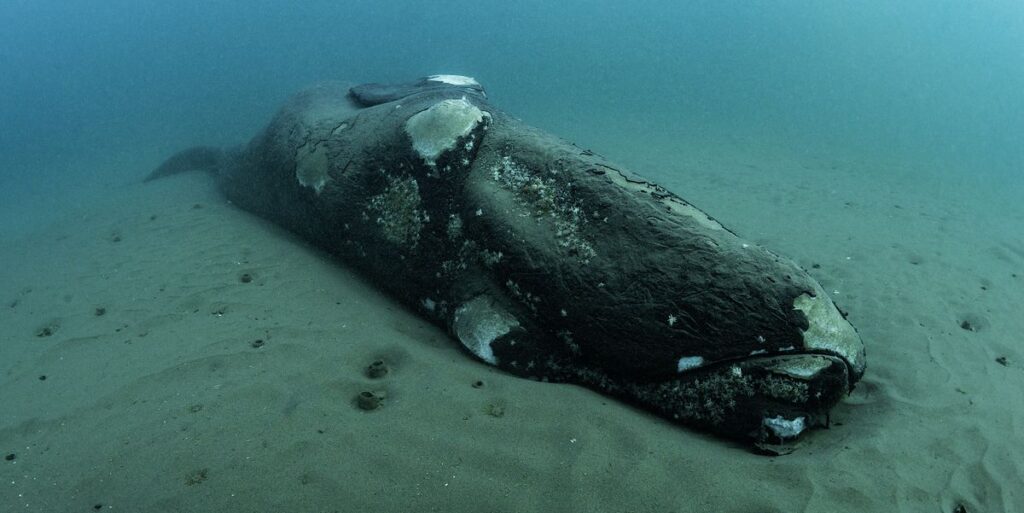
[(828, 330), (456, 80), (783, 427), (311, 166), (689, 362), (438, 128), (478, 323), (312, 163)]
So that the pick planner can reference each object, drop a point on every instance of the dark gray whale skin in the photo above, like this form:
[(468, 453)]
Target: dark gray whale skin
[(545, 259)]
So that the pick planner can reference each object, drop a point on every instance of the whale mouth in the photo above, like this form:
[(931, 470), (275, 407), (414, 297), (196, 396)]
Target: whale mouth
[(767, 398), (792, 392)]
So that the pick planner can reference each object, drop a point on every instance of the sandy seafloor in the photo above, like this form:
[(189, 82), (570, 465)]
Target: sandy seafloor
[(163, 404)]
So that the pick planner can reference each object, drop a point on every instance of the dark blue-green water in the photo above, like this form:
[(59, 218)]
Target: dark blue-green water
[(876, 142), (94, 93)]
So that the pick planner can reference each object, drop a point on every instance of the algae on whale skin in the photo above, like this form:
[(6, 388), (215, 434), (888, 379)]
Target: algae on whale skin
[(399, 212), (547, 199), (788, 390)]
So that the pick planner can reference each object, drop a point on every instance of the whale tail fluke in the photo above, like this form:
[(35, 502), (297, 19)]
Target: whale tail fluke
[(197, 158)]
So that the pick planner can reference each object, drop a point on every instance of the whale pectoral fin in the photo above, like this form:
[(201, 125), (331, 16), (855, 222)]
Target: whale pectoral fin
[(197, 158), (479, 323), (493, 333), (368, 95)]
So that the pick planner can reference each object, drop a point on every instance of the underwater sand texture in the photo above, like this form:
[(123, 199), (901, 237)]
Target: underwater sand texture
[(197, 358)]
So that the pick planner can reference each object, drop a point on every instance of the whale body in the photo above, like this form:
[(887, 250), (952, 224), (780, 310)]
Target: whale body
[(545, 259)]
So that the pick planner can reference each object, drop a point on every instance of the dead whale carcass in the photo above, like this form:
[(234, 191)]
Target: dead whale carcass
[(544, 259)]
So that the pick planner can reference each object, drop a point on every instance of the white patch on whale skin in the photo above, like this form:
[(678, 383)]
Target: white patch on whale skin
[(456, 80), (689, 362), (436, 129), (478, 323), (828, 330), (311, 166), (785, 428), (803, 368)]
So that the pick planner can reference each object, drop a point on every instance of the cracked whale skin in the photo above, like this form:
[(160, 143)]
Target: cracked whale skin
[(545, 259)]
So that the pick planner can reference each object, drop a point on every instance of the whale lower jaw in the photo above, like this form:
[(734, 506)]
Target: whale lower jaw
[(768, 399)]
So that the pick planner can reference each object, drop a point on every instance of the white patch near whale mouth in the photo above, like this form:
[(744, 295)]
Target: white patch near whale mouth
[(828, 330), (785, 428), (456, 80), (436, 129), (689, 362)]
